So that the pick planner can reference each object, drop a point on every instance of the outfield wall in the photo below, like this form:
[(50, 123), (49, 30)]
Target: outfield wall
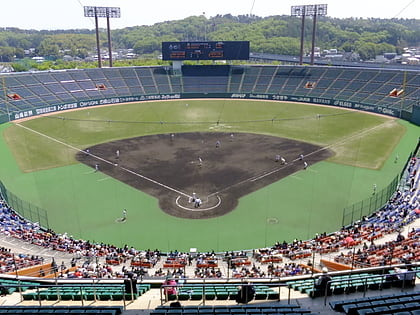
[(377, 109)]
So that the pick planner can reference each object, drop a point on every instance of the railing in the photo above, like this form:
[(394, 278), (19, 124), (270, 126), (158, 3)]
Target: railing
[(83, 292), (383, 283), (378, 199), (206, 285), (24, 208), (366, 207)]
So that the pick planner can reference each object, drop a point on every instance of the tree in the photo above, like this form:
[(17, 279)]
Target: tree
[(48, 48), (366, 50), (274, 34), (7, 54)]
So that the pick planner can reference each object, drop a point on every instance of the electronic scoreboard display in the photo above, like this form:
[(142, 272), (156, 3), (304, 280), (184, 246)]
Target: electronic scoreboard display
[(221, 50)]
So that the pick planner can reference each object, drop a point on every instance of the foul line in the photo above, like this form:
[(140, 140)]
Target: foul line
[(268, 173), (250, 179), (102, 179), (106, 161)]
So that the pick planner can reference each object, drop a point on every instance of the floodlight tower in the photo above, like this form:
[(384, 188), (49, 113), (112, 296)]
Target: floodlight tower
[(107, 12), (299, 10), (313, 10)]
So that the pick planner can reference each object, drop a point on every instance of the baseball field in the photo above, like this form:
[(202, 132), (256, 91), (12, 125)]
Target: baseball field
[(68, 164)]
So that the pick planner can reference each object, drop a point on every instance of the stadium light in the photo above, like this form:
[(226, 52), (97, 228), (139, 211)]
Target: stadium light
[(313, 10), (299, 10), (103, 12), (111, 12)]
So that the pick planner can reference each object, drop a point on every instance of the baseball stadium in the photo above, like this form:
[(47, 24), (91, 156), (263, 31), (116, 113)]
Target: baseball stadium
[(258, 164)]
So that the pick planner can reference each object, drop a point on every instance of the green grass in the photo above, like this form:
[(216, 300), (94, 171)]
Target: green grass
[(86, 204), (348, 133)]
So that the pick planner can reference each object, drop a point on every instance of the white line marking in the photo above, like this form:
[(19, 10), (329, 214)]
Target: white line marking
[(268, 173), (106, 161), (201, 208), (254, 178), (296, 177)]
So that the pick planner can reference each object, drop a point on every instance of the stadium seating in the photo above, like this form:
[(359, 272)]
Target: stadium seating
[(85, 292), (389, 304), (370, 86), (13, 285), (221, 292), (340, 284), (62, 310), (232, 309)]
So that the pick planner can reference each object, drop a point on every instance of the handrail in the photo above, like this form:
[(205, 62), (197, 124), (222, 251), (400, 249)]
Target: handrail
[(164, 296), (366, 278)]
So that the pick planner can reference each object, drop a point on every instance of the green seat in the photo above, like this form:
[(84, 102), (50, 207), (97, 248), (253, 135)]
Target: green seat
[(272, 295), (196, 295), (260, 295), (222, 294), (105, 296), (42, 295), (90, 296), (183, 296), (29, 296), (53, 296), (66, 296), (117, 296), (233, 295), (210, 294), (79, 297)]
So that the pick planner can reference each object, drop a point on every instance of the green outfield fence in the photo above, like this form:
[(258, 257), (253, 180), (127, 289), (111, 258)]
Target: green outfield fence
[(4, 119), (366, 207), (378, 199), (25, 209)]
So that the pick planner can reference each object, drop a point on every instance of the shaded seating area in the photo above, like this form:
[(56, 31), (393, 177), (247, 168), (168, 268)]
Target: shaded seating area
[(400, 303), (88, 293), (9, 286), (43, 310), (232, 309), (342, 284), (221, 292)]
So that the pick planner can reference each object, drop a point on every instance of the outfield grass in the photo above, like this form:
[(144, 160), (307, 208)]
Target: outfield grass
[(347, 132), (41, 168)]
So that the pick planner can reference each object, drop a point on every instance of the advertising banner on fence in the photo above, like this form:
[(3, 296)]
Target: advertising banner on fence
[(163, 97)]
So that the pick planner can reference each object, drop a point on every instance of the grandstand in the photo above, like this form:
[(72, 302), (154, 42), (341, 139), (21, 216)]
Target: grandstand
[(31, 94), (28, 94)]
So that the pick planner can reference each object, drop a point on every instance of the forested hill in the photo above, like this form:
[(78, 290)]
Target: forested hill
[(275, 34)]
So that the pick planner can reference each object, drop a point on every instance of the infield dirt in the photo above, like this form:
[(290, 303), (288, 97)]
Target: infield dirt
[(175, 168)]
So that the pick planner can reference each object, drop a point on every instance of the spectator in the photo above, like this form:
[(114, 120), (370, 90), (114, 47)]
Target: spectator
[(246, 293), (322, 284)]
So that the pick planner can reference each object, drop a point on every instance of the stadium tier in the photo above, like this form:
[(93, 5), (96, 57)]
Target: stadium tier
[(395, 90)]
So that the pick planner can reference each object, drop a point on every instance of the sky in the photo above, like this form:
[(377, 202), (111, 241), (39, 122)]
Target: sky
[(69, 14)]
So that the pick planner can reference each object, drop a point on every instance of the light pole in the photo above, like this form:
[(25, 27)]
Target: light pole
[(313, 10), (106, 12), (299, 10)]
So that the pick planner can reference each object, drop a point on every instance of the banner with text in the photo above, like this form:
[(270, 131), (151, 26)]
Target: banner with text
[(177, 96)]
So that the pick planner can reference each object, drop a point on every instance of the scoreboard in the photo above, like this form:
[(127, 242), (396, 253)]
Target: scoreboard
[(221, 50)]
